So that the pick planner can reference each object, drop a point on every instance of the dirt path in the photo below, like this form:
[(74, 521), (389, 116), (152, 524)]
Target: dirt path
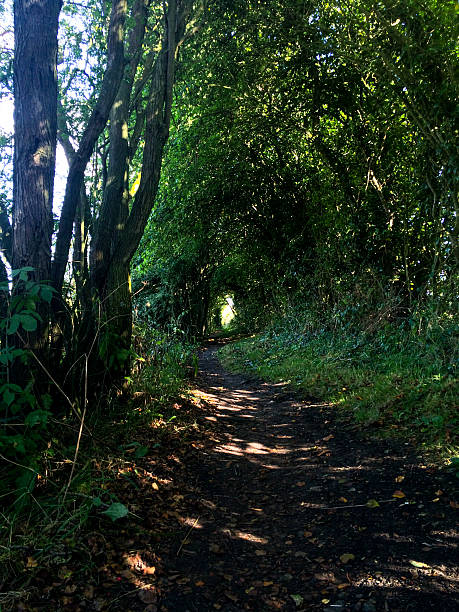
[(264, 503), (284, 516)]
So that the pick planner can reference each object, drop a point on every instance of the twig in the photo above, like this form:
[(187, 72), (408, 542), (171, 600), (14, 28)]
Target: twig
[(26, 467), (188, 533), (58, 387), (382, 501), (80, 432)]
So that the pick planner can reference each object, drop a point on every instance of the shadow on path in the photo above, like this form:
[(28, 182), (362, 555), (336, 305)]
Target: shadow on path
[(291, 512)]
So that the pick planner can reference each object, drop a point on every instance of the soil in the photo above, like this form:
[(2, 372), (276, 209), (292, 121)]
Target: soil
[(270, 502)]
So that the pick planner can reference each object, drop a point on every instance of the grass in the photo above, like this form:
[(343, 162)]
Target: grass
[(43, 520), (396, 380)]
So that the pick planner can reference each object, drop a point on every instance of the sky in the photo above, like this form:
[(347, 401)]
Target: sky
[(6, 126), (7, 108)]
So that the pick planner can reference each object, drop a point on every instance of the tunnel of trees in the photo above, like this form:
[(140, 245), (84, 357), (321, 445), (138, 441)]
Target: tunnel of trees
[(298, 156)]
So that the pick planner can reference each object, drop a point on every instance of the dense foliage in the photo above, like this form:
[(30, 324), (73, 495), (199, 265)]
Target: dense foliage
[(294, 162), (311, 175), (314, 156)]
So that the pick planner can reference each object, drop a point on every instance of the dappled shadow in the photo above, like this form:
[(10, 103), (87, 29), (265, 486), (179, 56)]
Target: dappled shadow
[(283, 494), (286, 509)]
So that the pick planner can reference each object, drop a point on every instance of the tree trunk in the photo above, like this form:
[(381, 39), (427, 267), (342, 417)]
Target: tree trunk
[(35, 125), (115, 205), (117, 304), (96, 123)]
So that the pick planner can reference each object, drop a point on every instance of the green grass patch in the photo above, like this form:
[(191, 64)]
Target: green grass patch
[(395, 380)]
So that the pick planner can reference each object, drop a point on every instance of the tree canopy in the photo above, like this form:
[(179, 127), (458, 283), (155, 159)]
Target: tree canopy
[(296, 157)]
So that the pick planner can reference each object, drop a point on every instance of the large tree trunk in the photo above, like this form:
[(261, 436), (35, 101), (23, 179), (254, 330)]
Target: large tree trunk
[(115, 205), (113, 279), (35, 125)]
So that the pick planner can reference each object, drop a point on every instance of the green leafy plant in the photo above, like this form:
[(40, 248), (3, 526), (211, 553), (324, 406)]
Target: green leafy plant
[(23, 415)]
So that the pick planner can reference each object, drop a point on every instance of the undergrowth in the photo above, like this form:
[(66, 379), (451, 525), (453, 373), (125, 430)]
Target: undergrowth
[(398, 376), (46, 508)]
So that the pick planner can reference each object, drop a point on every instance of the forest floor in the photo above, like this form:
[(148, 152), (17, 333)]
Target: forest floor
[(266, 502)]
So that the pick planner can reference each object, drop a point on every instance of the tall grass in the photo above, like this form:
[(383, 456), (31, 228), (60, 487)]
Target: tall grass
[(395, 374)]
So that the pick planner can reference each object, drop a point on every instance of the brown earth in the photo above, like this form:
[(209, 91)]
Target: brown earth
[(268, 503)]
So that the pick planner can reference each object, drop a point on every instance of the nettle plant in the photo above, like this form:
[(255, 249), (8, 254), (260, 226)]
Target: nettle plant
[(23, 415)]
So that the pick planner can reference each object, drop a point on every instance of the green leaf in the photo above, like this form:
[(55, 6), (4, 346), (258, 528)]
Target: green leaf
[(37, 417), (28, 323), (13, 325), (116, 511), (97, 502), (22, 272), (46, 293), (8, 397), (140, 451), (297, 599)]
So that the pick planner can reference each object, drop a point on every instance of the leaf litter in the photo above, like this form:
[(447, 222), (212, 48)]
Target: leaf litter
[(238, 512)]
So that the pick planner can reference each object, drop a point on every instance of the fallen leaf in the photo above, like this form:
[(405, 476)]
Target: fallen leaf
[(127, 574), (147, 596), (307, 534), (439, 492), (297, 599), (199, 583), (31, 562), (267, 583), (343, 499), (327, 438), (260, 553), (343, 585), (300, 484), (454, 504), (372, 503), (347, 557), (231, 596), (419, 564), (398, 494), (400, 479), (88, 592)]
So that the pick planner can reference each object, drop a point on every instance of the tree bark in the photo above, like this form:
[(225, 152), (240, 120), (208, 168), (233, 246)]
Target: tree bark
[(158, 116), (82, 221), (35, 125), (96, 123), (114, 210)]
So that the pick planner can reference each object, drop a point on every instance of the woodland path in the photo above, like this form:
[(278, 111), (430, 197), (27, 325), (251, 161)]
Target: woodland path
[(265, 502), (280, 496)]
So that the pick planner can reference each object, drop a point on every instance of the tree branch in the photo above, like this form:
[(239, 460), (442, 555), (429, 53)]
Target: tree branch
[(96, 123)]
